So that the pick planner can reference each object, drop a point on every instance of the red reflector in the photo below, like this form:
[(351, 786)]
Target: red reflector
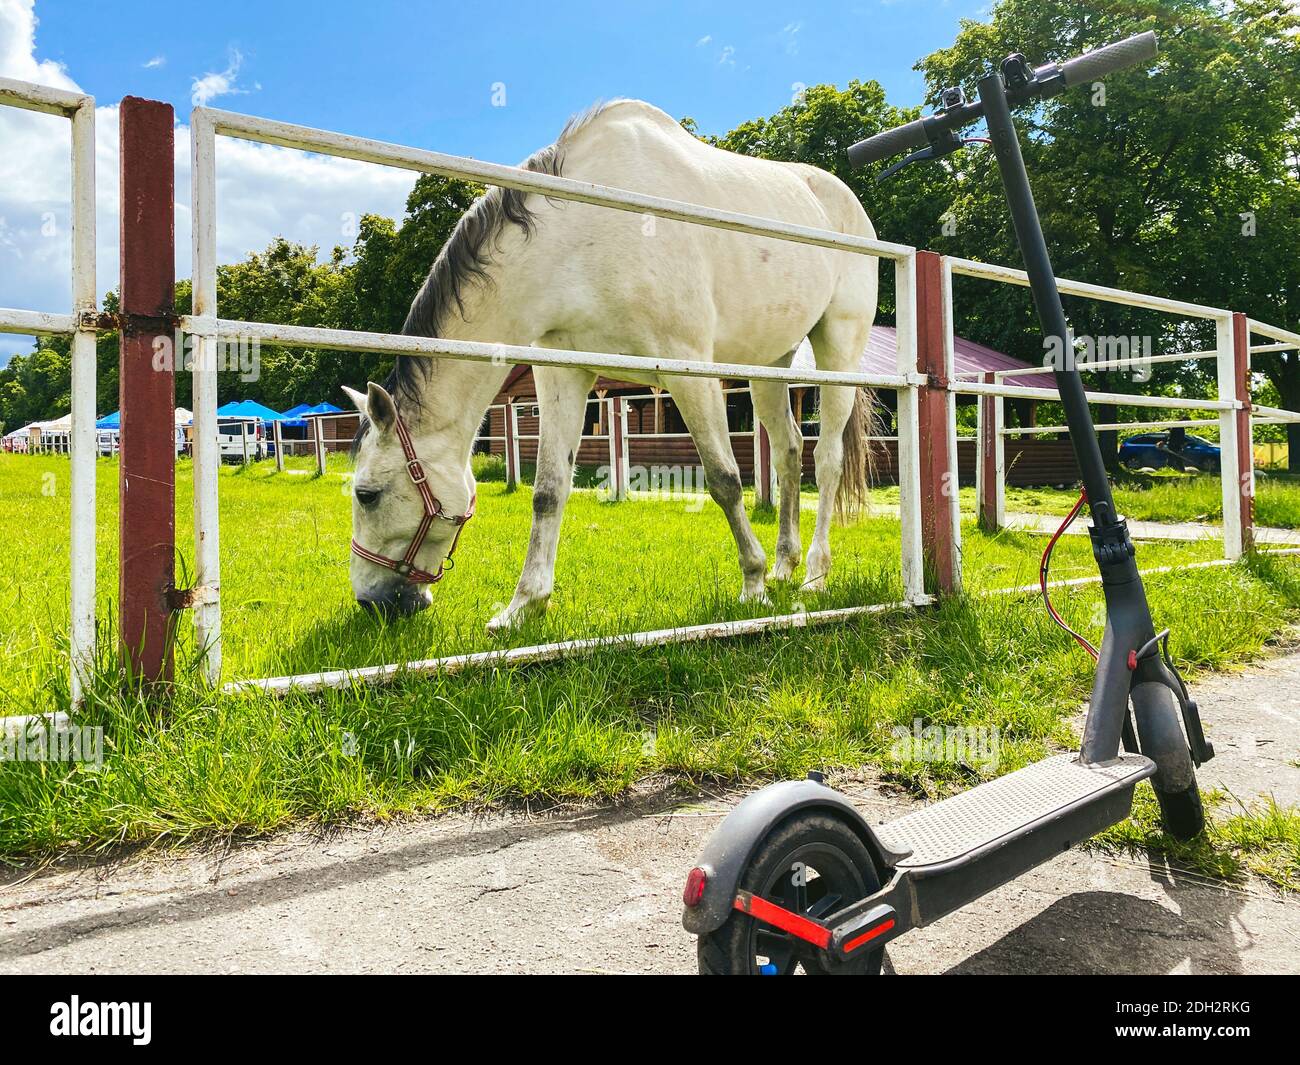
[(868, 935), (694, 891), (786, 920)]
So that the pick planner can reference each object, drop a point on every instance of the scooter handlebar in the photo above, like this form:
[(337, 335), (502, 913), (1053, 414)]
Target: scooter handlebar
[(891, 142), (1084, 70), (1094, 66)]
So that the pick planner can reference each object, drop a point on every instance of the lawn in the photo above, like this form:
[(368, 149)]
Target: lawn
[(1163, 496), (748, 709), (287, 605)]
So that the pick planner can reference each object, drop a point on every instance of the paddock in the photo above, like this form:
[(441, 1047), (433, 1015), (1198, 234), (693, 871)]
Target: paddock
[(925, 380)]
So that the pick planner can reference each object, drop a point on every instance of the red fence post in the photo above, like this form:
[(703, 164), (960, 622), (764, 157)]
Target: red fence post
[(147, 391), (938, 463), (1245, 442)]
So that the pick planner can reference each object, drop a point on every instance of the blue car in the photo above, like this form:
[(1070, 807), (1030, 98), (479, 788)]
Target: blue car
[(1152, 449)]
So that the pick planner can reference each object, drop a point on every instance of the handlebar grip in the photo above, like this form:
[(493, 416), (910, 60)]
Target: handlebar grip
[(891, 142), (1122, 54)]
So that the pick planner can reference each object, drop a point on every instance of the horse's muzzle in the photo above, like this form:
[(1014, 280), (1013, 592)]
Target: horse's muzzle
[(403, 601)]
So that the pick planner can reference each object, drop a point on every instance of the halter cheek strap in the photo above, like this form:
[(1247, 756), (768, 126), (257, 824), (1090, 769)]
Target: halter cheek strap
[(405, 567)]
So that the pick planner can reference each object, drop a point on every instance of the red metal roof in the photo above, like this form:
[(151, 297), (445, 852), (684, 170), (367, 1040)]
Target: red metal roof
[(881, 357)]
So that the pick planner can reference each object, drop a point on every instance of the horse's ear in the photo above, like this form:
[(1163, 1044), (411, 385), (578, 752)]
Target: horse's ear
[(380, 407), (356, 397), (358, 400)]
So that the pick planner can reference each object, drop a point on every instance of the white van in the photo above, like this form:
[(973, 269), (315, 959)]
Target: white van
[(230, 436)]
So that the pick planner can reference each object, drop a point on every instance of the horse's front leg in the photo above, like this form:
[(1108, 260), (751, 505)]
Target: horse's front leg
[(704, 410), (562, 397)]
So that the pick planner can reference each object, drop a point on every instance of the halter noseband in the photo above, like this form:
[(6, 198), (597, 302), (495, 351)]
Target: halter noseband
[(405, 567)]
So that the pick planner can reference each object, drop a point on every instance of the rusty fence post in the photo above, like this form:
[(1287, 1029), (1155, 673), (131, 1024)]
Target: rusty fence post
[(939, 516), (147, 389)]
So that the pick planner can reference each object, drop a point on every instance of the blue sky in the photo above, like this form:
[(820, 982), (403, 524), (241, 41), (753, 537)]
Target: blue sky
[(418, 73)]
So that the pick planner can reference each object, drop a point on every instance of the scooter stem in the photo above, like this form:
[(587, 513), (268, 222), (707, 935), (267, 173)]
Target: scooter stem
[(1128, 615)]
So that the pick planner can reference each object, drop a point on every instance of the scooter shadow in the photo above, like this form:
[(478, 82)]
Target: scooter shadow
[(1113, 933)]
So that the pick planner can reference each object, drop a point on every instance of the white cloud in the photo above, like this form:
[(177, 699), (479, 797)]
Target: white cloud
[(156, 61), (210, 86), (728, 56), (790, 34), (706, 39), (262, 191)]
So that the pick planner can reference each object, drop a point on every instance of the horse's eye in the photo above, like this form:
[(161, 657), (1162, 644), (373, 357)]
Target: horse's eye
[(367, 497)]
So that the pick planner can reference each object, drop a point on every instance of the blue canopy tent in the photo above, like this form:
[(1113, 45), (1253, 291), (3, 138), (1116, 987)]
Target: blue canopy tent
[(296, 416), (249, 409), (110, 421)]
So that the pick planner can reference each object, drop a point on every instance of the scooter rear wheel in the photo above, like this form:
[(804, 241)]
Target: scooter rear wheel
[(813, 864)]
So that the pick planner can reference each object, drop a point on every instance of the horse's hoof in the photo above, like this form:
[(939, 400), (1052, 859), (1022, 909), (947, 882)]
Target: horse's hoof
[(514, 617), (783, 570), (814, 584), (506, 621), (756, 596), (502, 623)]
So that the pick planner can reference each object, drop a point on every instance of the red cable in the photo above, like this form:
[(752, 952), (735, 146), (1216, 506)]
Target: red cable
[(1046, 563)]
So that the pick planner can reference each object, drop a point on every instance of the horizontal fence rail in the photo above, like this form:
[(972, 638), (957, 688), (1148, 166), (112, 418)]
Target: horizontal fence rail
[(343, 146), (1142, 300), (975, 388), (510, 354)]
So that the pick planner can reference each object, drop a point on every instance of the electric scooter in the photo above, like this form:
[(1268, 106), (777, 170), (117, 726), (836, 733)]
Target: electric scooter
[(794, 877)]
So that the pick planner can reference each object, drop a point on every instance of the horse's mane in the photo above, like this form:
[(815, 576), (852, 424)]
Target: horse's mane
[(466, 256)]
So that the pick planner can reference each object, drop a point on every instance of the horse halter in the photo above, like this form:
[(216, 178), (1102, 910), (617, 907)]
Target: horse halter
[(405, 567)]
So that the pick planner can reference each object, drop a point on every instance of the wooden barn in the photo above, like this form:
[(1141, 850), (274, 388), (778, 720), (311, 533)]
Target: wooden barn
[(657, 436)]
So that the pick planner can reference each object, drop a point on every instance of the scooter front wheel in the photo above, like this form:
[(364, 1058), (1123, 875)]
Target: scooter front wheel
[(813, 864), (1160, 735)]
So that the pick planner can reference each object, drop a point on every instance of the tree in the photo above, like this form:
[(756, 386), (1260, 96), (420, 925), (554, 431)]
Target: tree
[(1180, 182)]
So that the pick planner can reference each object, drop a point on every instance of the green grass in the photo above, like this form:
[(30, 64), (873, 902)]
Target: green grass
[(741, 710), (1163, 496), (1262, 839)]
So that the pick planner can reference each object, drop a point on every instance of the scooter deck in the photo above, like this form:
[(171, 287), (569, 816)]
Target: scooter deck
[(1010, 807)]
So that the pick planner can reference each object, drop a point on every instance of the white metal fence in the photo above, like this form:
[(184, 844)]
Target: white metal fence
[(1235, 480), (80, 326), (207, 326)]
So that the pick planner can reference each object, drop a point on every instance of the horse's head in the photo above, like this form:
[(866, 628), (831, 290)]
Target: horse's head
[(411, 494)]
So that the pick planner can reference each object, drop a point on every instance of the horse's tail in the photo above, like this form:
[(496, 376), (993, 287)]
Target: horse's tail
[(855, 478)]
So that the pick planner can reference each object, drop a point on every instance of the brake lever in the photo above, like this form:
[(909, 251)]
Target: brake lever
[(937, 150), (915, 157)]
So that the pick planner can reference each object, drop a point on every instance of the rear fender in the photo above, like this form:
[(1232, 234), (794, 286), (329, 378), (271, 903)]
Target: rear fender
[(728, 850)]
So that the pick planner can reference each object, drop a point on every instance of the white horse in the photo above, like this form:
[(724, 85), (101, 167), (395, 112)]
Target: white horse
[(522, 269)]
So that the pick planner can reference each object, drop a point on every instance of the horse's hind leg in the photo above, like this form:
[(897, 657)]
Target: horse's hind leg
[(704, 410), (838, 342), (772, 406), (562, 397)]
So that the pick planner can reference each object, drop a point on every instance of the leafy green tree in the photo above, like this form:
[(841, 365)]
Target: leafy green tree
[(1180, 182)]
